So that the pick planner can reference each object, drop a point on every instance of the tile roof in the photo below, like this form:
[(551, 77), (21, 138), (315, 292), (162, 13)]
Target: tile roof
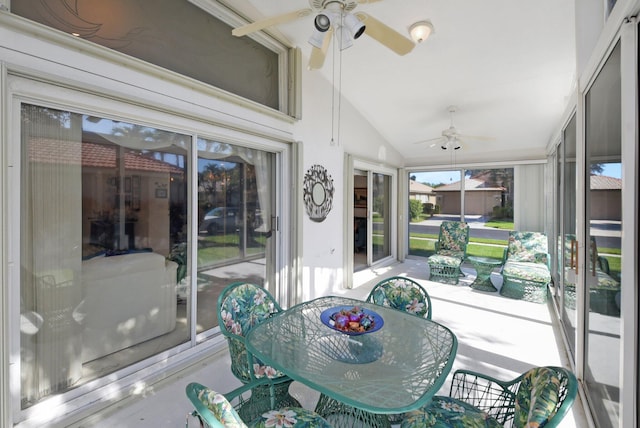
[(49, 150), (470, 184), (415, 187), (602, 182)]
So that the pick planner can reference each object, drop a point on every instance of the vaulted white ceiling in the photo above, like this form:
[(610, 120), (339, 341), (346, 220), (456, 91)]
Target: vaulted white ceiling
[(508, 66)]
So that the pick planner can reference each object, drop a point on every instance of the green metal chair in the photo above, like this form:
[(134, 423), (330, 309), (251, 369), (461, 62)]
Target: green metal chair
[(404, 294), (217, 411), (241, 306), (540, 397), (451, 250)]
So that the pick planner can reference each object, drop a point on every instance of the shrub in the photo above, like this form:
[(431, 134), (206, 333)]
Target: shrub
[(502, 212), (415, 209)]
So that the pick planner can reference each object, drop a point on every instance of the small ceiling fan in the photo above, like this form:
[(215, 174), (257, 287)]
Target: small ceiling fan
[(451, 139), (334, 17)]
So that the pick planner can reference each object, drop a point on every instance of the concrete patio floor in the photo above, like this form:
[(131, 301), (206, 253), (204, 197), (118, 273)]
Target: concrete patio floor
[(497, 336)]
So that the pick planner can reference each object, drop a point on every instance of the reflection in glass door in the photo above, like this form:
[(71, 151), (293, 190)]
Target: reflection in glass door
[(568, 248), (602, 252), (235, 210), (374, 211), (360, 220), (381, 216)]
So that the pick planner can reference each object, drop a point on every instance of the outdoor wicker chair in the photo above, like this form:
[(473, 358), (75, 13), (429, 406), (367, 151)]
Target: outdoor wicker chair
[(241, 306), (526, 274), (451, 250), (540, 397), (404, 294), (217, 411)]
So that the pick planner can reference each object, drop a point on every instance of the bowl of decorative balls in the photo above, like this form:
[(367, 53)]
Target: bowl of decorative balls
[(352, 320)]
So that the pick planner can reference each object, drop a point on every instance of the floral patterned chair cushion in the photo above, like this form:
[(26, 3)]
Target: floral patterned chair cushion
[(403, 294), (534, 272), (445, 260), (537, 398), (526, 273), (451, 249), (527, 247), (241, 307), (453, 239), (222, 413), (447, 412)]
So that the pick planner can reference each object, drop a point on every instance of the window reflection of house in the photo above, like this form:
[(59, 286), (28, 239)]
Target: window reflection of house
[(95, 242), (605, 194)]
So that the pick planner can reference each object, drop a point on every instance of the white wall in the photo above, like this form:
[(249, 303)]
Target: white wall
[(529, 192), (323, 243)]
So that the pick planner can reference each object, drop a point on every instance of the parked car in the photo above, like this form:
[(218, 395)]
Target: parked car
[(219, 220)]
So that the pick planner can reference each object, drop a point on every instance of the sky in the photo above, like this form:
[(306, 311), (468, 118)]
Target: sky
[(446, 177)]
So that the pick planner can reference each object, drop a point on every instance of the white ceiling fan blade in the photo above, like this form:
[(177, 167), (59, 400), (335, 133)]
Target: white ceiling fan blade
[(429, 140), (385, 35), (475, 137), (270, 22), (316, 60)]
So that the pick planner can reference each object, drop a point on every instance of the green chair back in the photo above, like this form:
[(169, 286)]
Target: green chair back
[(527, 247), (241, 306), (403, 294), (213, 408), (544, 397)]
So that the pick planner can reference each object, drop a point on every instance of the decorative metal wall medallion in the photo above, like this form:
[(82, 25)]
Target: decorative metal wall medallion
[(318, 193)]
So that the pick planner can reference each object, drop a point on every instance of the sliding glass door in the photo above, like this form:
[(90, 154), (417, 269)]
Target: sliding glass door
[(602, 244), (567, 260), (374, 202), (381, 216), (114, 274)]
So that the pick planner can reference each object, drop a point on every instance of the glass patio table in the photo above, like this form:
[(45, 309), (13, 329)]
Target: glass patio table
[(394, 369)]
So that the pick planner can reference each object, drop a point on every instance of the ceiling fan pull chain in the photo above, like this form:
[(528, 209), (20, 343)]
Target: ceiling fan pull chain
[(333, 89), (340, 85)]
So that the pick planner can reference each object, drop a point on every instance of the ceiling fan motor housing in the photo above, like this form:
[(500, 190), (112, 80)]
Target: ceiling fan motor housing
[(347, 6)]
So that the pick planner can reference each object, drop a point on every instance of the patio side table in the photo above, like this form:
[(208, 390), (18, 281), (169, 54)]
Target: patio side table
[(484, 266)]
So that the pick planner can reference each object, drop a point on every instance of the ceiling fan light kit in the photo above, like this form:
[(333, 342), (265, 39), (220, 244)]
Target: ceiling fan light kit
[(420, 31), (335, 16), (322, 22), (355, 27), (347, 25)]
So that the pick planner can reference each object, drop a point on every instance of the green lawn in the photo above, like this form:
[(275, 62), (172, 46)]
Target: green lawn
[(214, 249), (426, 247)]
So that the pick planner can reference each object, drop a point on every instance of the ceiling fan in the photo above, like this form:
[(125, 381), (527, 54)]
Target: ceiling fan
[(450, 138), (334, 17)]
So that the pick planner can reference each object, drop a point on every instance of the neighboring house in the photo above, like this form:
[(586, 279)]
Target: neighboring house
[(479, 199), (605, 196), (421, 192)]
